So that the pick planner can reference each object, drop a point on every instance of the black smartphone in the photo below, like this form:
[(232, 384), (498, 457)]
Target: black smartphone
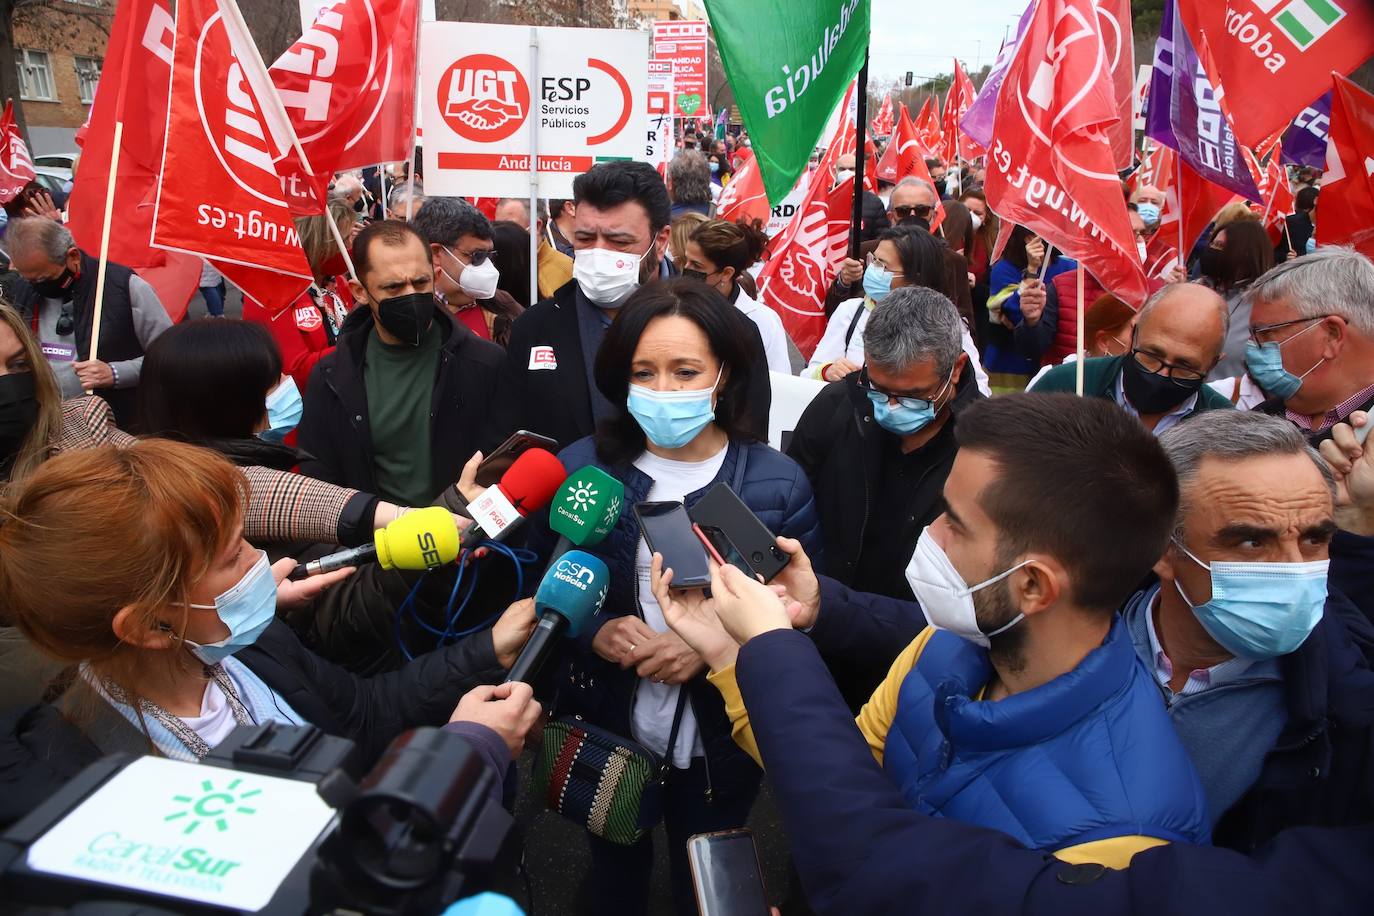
[(668, 531), (737, 534), (496, 464), (726, 874)]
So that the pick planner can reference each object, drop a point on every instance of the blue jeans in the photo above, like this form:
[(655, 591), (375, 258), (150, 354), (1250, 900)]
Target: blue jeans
[(214, 299)]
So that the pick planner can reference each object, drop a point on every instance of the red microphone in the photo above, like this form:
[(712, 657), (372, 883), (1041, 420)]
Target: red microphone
[(527, 486)]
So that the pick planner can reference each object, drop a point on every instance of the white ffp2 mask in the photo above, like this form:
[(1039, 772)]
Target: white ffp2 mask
[(607, 277), (944, 596)]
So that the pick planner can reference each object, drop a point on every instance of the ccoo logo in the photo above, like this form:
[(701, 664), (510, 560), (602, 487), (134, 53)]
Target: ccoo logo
[(483, 98), (233, 123)]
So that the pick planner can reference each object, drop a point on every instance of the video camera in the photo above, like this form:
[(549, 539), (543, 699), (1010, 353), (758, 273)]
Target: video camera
[(268, 822)]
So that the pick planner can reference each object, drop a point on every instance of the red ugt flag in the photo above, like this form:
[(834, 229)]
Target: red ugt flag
[(348, 84), (930, 131), (744, 198), (16, 165), (141, 40), (1347, 204), (1276, 56), (219, 195), (957, 103), (1051, 166), (1190, 203)]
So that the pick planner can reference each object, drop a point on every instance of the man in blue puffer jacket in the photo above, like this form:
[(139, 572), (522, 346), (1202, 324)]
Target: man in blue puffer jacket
[(1024, 707)]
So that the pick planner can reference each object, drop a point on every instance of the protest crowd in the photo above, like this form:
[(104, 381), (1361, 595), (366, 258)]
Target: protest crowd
[(1054, 411)]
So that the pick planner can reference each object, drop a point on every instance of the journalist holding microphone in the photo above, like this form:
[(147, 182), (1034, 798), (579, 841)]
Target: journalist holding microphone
[(165, 617), (676, 367)]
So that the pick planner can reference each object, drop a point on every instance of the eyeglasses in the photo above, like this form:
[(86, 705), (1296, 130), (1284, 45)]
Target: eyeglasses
[(1156, 366), (877, 395), (475, 258), (921, 210), (1260, 332)]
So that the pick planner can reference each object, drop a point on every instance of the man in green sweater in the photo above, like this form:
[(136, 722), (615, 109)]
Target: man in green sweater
[(1177, 340)]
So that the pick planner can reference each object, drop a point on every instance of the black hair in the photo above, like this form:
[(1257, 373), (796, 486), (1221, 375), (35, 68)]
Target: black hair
[(512, 259), (1306, 199), (1015, 251), (445, 220), (1106, 511), (207, 379), (921, 254), (393, 233), (619, 439), (611, 184)]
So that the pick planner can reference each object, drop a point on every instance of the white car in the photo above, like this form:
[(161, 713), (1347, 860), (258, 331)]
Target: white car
[(55, 161)]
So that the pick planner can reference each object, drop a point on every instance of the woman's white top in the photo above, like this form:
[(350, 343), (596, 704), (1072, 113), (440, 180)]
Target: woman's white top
[(770, 328)]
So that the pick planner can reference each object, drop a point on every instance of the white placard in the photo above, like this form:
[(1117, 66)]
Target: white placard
[(189, 831), (781, 215), (658, 142), (478, 99)]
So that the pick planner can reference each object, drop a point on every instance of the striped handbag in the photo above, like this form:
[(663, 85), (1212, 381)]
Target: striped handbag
[(610, 785)]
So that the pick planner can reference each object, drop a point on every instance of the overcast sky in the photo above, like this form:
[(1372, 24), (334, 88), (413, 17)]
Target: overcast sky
[(924, 37)]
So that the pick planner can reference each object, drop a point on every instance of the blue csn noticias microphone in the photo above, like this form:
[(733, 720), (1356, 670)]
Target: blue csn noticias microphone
[(570, 594)]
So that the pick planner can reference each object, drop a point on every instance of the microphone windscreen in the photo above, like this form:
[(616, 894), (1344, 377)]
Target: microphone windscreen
[(532, 479), (420, 539), (587, 506), (575, 588)]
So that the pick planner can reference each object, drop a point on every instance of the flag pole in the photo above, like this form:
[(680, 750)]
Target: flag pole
[(414, 131), (230, 9), (1078, 374), (381, 183), (98, 307), (860, 128), (534, 174)]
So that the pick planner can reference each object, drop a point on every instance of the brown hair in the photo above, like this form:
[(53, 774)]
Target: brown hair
[(1106, 467), (988, 231), (1247, 254), (727, 244), (682, 230), (38, 444), (318, 242), (96, 530), (1237, 212), (1107, 313), (393, 233)]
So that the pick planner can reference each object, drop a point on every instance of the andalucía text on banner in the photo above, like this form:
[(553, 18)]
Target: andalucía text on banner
[(1276, 56), (1347, 203), (1051, 167), (788, 62), (141, 34), (219, 195), (16, 165), (348, 84)]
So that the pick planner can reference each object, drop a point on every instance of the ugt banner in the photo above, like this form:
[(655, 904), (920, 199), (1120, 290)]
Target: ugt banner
[(789, 62)]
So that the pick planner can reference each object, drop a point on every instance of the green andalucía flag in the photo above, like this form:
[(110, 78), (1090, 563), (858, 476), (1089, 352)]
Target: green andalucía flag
[(789, 63)]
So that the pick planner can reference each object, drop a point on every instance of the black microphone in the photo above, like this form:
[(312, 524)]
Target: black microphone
[(570, 594), (420, 539)]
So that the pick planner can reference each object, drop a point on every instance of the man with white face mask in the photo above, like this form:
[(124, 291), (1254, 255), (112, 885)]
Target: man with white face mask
[(465, 278), (620, 232), (1022, 706)]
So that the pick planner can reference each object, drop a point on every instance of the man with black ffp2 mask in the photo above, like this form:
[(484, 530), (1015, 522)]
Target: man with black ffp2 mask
[(397, 408), (1177, 340)]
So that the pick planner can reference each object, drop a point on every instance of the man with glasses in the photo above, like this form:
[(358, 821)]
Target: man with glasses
[(878, 446), (1177, 340), (1311, 342), (465, 278)]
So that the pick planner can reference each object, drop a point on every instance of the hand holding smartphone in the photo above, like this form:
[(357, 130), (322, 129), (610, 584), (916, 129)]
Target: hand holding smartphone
[(668, 531), (726, 874)]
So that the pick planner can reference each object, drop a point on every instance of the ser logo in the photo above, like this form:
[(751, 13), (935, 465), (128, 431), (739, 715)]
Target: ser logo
[(429, 549)]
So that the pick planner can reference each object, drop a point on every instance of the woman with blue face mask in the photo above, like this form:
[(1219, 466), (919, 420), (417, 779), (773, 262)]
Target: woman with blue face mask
[(220, 384), (169, 627), (676, 368)]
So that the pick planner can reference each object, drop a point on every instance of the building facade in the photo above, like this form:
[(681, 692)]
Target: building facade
[(59, 49)]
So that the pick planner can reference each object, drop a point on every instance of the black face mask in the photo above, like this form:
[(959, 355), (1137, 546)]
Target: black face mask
[(694, 274), (918, 221), (1210, 263), (406, 317), (62, 286), (1150, 393), (18, 412)]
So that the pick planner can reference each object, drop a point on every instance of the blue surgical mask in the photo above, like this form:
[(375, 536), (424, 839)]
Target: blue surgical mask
[(1148, 212), (671, 419), (910, 414), (283, 411), (1311, 244), (877, 282), (246, 609), (1264, 362), (1260, 610)]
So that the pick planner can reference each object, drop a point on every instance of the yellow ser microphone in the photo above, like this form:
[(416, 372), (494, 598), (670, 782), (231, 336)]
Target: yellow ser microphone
[(421, 539)]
